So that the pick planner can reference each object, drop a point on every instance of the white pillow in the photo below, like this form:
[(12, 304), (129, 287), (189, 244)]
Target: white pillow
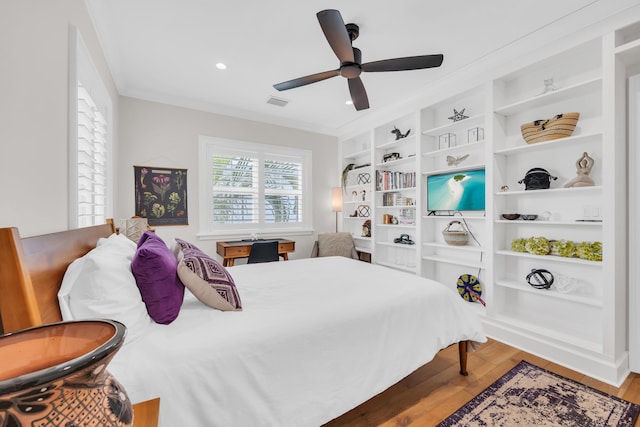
[(101, 285), (123, 241)]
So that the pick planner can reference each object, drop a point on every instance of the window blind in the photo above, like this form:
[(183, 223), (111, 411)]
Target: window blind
[(235, 189), (92, 161), (283, 191), (254, 188)]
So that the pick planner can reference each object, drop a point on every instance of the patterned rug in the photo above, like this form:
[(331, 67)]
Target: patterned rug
[(531, 396)]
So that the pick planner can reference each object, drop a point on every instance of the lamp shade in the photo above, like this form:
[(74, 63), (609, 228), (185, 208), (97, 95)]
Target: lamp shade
[(336, 199)]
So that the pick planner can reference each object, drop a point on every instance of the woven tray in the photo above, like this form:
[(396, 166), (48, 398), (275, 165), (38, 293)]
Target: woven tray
[(558, 126)]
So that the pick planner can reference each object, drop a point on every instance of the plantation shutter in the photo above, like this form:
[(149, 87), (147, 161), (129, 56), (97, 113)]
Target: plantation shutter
[(252, 188), (92, 161), (235, 188), (283, 189)]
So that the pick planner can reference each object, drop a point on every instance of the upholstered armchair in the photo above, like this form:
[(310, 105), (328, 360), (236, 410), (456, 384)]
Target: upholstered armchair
[(335, 244)]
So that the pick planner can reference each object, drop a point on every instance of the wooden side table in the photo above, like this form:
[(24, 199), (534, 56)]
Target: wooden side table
[(229, 251)]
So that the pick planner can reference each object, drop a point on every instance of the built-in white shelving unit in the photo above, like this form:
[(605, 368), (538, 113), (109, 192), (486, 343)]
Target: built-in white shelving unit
[(582, 326)]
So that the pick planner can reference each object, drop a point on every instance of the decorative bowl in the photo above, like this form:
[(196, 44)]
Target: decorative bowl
[(511, 217), (529, 217)]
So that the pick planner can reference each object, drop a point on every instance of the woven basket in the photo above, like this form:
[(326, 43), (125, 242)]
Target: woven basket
[(558, 126), (455, 237)]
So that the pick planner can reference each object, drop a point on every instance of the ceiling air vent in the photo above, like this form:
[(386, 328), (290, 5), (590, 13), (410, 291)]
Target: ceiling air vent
[(273, 100)]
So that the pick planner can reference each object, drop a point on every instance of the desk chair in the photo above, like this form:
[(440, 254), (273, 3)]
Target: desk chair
[(263, 252)]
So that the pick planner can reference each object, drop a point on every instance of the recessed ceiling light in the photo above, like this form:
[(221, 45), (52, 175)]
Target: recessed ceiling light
[(221, 66), (349, 102)]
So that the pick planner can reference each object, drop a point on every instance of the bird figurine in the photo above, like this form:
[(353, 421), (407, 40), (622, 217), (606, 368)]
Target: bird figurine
[(455, 161)]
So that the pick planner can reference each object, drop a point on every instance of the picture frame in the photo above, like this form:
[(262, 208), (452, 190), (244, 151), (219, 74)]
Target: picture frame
[(161, 195)]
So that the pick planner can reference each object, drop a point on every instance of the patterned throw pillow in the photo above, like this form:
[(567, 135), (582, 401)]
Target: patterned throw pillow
[(208, 280), (180, 245)]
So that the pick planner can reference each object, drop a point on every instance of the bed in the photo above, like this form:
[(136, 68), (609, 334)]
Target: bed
[(315, 337)]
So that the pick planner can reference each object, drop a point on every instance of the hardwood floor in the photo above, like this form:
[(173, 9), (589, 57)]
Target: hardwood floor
[(436, 390)]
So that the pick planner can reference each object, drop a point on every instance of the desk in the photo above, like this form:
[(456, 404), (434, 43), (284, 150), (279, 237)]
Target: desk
[(229, 251)]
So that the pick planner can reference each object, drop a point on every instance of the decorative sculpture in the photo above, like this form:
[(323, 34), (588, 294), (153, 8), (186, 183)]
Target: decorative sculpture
[(366, 228), (399, 134), (455, 161), (457, 116), (583, 168)]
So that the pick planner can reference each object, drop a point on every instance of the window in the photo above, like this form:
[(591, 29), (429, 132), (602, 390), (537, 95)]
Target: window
[(253, 188), (89, 140), (91, 161)]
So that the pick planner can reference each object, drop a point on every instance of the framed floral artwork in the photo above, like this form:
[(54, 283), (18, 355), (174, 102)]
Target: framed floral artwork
[(161, 195)]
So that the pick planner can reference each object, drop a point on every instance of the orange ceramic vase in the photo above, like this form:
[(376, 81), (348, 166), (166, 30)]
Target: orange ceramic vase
[(55, 375)]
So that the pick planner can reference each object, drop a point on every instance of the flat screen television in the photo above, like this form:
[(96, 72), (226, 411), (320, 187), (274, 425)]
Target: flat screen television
[(457, 191)]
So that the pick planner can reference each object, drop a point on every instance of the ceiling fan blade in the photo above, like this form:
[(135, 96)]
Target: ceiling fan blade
[(403, 64), (336, 33), (358, 94), (302, 81)]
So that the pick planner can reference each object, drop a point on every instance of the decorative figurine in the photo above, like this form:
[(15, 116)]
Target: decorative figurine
[(354, 195), (364, 195), (457, 116), (583, 168), (345, 174), (455, 161), (366, 228), (399, 134), (548, 86)]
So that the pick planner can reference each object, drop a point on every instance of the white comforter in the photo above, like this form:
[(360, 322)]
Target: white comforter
[(316, 338)]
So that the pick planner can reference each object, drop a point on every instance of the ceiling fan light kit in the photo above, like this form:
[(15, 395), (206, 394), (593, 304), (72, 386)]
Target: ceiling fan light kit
[(340, 37)]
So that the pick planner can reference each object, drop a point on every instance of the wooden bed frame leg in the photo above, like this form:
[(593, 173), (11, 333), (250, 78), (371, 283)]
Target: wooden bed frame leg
[(462, 353)]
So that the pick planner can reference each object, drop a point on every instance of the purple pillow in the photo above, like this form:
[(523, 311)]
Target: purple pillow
[(155, 270), (148, 235)]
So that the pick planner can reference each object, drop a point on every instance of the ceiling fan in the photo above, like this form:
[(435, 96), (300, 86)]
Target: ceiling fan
[(340, 37)]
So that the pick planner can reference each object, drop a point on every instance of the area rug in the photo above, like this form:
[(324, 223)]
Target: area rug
[(531, 396)]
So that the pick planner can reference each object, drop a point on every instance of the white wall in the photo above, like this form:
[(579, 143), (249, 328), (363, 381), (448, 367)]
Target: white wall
[(34, 44), (33, 109), (153, 134)]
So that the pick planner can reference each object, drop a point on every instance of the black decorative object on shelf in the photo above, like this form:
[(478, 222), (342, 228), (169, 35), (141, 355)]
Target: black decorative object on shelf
[(364, 178), (364, 165), (404, 239), (398, 133), (457, 116), (537, 179), (540, 278), (390, 157), (364, 211)]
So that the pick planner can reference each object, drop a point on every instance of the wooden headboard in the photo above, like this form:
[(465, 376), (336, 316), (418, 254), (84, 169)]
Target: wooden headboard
[(31, 272)]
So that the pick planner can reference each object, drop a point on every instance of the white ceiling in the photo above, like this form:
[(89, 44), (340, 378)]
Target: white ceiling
[(166, 50)]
